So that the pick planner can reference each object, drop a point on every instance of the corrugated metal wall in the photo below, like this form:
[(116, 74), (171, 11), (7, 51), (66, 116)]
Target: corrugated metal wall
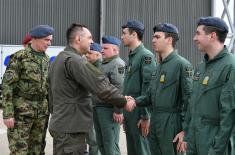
[(182, 13), (17, 17)]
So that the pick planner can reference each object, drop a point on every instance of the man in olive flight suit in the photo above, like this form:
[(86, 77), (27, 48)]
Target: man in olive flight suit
[(25, 86), (94, 56), (107, 118), (212, 105), (137, 77), (169, 91), (71, 79)]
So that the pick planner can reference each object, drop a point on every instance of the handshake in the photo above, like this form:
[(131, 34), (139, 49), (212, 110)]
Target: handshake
[(131, 104)]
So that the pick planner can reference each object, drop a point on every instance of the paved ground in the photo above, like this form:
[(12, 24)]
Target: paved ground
[(4, 143)]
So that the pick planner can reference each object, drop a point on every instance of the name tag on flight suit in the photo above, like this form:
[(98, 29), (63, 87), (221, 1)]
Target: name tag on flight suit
[(162, 78), (205, 80)]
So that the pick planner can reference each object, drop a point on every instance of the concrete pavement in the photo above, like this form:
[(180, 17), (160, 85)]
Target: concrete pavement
[(4, 143)]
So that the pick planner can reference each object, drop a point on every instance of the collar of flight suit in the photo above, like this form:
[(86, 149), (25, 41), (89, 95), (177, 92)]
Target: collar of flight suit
[(70, 48), (109, 59), (220, 55), (169, 57), (136, 49)]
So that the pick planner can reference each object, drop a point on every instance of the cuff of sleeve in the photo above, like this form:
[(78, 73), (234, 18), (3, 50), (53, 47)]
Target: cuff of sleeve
[(121, 103), (146, 117), (139, 103), (6, 116), (212, 152), (185, 126), (7, 113), (118, 110)]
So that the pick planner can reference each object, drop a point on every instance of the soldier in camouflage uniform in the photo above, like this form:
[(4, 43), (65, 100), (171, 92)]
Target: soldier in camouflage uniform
[(25, 85)]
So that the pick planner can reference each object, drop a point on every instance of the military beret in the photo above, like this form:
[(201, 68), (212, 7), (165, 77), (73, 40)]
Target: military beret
[(213, 21), (41, 31), (26, 39), (166, 27), (134, 24), (95, 47), (111, 40)]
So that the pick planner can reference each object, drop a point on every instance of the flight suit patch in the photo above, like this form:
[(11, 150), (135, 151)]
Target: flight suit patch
[(147, 60), (205, 80), (189, 71), (162, 78), (121, 69), (196, 76)]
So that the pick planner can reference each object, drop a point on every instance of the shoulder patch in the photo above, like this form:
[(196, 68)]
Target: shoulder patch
[(8, 76), (121, 69), (147, 60), (189, 71)]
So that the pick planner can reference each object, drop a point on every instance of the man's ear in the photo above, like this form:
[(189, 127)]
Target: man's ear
[(169, 40), (213, 36), (77, 38)]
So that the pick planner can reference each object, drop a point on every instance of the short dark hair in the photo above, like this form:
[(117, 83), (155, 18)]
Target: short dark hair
[(174, 36), (72, 31), (219, 32), (139, 34)]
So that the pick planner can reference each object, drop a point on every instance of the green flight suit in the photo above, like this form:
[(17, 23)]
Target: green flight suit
[(107, 130), (211, 110), (25, 85), (168, 93), (137, 77), (91, 137)]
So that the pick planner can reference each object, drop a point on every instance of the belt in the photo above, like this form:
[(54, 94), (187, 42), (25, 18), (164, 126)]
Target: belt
[(166, 110)]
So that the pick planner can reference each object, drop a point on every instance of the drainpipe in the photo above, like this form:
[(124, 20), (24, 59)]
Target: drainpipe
[(102, 17)]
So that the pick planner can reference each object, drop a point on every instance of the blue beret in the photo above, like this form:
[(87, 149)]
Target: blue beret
[(213, 21), (111, 40), (134, 24), (95, 47), (41, 31), (166, 27)]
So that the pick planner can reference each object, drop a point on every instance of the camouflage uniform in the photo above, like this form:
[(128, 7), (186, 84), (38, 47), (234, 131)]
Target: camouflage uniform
[(25, 85)]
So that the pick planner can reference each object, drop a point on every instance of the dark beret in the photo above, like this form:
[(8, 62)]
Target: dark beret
[(95, 47), (134, 24), (213, 21), (166, 27), (111, 40), (41, 31)]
